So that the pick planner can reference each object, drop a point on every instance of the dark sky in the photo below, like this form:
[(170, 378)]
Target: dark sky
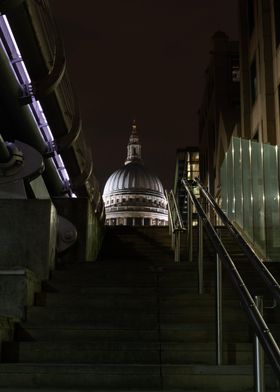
[(143, 60)]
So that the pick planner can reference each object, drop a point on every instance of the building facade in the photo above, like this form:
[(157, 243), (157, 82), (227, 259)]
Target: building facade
[(220, 109), (260, 70), (132, 195), (239, 146)]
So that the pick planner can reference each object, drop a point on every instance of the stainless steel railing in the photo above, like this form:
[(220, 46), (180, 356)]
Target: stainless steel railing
[(257, 262), (261, 330), (176, 227)]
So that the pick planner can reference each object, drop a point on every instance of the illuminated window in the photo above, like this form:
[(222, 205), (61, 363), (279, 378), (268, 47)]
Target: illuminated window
[(277, 21), (253, 81)]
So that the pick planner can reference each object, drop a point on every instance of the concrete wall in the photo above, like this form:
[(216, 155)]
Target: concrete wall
[(80, 212), (28, 235), (17, 289)]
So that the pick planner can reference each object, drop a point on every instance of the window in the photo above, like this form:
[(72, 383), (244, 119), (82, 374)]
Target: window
[(146, 221), (129, 221), (277, 21), (251, 16), (279, 100), (253, 81), (138, 221), (235, 69)]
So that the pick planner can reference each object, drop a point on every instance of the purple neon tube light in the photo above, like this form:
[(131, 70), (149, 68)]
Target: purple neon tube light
[(21, 74)]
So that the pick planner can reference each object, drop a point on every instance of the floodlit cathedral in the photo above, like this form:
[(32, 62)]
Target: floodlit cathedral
[(132, 195)]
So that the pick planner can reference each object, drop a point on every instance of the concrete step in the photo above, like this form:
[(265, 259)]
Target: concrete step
[(146, 318), (201, 312), (80, 376), (205, 353), (74, 333), (142, 377), (86, 318), (110, 390), (137, 274), (103, 301), (212, 378), (99, 352), (131, 290), (139, 301), (128, 290), (125, 352), (190, 332)]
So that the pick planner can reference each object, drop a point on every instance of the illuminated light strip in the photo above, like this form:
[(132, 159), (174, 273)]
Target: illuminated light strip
[(14, 55), (21, 74)]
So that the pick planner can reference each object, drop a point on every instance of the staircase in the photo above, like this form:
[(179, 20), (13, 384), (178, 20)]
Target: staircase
[(131, 321)]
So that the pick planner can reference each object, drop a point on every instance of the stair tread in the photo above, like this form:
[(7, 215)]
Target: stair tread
[(136, 305)]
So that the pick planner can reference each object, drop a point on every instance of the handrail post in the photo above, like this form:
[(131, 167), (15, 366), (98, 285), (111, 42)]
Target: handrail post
[(175, 225), (219, 310), (258, 355), (169, 219), (177, 245), (200, 257), (190, 230)]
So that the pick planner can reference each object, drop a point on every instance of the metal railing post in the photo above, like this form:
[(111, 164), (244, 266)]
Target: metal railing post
[(258, 355), (190, 230), (175, 225), (177, 246), (169, 219), (200, 257), (219, 312), (173, 239)]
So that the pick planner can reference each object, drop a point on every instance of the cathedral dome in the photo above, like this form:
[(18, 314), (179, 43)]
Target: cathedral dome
[(134, 177), (132, 195)]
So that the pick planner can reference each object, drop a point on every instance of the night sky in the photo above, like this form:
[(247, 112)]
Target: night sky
[(143, 60)]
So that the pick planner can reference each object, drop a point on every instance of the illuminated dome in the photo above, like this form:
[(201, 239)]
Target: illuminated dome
[(133, 176), (132, 195)]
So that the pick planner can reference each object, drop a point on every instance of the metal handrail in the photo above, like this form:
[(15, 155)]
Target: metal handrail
[(257, 263), (258, 323), (180, 225), (176, 224)]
